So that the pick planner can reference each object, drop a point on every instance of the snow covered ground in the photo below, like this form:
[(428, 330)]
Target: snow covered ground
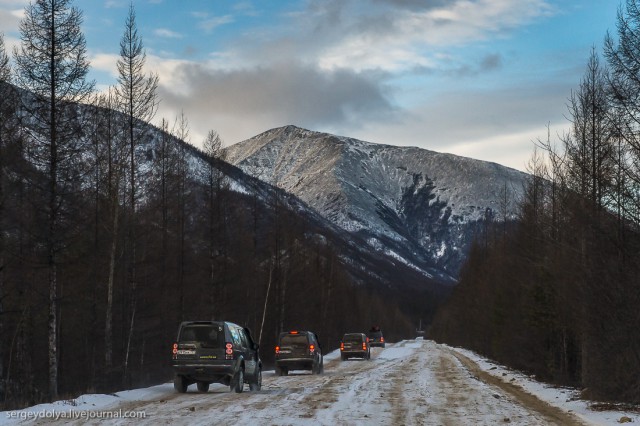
[(409, 383)]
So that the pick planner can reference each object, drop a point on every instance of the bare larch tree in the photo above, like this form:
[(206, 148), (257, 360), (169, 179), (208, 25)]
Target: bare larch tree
[(51, 62)]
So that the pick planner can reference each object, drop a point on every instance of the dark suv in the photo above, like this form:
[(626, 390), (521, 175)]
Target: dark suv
[(355, 345), (375, 337), (215, 352), (298, 350)]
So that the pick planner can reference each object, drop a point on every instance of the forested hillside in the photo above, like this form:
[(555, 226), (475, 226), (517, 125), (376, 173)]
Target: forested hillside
[(558, 294), (112, 231)]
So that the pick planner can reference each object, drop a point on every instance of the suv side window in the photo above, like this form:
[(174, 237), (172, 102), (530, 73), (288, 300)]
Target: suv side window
[(245, 341), (235, 336)]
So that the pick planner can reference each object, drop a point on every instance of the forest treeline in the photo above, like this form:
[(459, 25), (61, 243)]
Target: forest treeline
[(557, 294), (112, 231)]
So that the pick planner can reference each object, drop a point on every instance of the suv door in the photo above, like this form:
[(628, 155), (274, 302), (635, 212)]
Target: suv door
[(318, 353), (250, 358)]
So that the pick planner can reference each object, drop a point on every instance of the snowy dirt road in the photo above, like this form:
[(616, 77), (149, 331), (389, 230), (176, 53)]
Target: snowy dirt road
[(408, 383)]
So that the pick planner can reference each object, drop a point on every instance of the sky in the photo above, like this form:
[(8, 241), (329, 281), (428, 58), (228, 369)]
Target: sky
[(478, 78)]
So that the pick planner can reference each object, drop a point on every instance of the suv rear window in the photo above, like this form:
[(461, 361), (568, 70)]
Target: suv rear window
[(208, 335), (352, 338), (294, 340)]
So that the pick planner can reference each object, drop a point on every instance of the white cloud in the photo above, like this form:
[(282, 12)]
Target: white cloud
[(237, 102), (393, 38), (10, 20), (497, 126), (166, 33), (208, 24), (9, 4), (113, 4), (105, 62)]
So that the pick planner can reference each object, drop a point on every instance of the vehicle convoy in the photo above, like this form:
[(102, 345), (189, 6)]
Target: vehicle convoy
[(215, 352), (298, 350), (355, 345)]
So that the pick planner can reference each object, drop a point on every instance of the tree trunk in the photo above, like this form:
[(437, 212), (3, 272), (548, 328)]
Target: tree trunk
[(125, 377), (53, 328), (108, 329), (266, 300)]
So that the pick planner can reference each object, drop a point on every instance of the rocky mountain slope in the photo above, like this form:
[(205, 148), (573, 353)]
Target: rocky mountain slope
[(420, 207)]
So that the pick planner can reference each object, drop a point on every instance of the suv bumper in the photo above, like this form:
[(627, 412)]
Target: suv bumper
[(205, 372), (359, 354), (296, 363)]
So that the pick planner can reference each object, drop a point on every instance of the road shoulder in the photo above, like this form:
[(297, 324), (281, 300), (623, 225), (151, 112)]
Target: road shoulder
[(532, 402)]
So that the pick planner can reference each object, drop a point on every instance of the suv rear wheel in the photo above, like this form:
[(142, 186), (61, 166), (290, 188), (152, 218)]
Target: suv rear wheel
[(180, 384), (237, 383), (282, 371), (257, 385), (203, 386)]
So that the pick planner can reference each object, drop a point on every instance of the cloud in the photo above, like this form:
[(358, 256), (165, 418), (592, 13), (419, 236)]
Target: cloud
[(486, 64), (388, 35), (10, 4), (10, 20), (166, 33), (396, 34), (209, 23), (416, 4), (497, 125), (246, 8), (105, 62), (491, 62), (285, 93), (113, 4)]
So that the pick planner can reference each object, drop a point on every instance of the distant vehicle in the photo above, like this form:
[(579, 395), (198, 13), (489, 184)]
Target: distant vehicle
[(215, 352), (355, 345), (420, 332), (298, 350), (375, 337)]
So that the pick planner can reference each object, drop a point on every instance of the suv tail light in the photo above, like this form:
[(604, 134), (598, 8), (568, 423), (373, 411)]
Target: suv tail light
[(342, 346), (364, 346), (277, 349), (228, 351), (312, 349), (381, 339), (174, 351)]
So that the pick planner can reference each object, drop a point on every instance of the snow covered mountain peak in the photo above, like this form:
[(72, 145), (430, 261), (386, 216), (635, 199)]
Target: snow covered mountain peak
[(419, 206)]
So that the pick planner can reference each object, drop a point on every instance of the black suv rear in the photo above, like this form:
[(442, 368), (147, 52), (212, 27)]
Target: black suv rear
[(375, 337), (298, 350), (355, 345), (215, 352)]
